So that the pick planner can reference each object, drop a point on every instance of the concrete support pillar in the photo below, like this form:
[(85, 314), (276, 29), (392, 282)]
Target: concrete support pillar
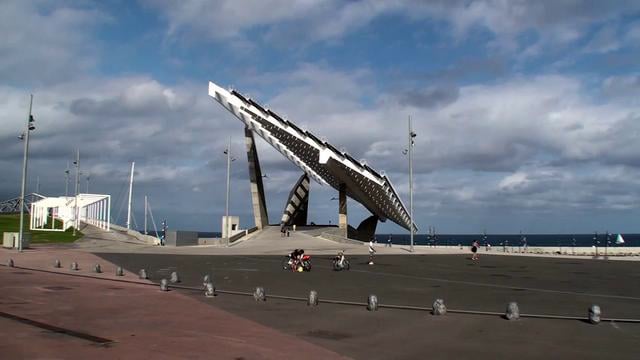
[(342, 210), (260, 215)]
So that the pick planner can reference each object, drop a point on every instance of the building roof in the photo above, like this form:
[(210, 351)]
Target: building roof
[(317, 158)]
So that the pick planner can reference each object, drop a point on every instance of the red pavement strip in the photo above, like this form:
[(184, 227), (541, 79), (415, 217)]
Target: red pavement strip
[(141, 320)]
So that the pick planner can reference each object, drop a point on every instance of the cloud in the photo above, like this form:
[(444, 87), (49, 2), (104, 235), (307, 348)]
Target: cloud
[(488, 140), (430, 97), (604, 41), (625, 86), (45, 41), (301, 21)]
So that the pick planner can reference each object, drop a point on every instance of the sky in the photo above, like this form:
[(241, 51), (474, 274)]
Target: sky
[(527, 113)]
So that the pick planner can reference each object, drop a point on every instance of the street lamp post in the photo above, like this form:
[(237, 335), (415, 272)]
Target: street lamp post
[(226, 211), (25, 136), (66, 181), (76, 213), (410, 150)]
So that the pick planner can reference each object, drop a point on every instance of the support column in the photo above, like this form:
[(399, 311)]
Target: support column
[(343, 224), (260, 215)]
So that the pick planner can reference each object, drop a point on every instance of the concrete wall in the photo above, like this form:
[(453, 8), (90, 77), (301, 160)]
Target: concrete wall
[(181, 238), (151, 240), (233, 226)]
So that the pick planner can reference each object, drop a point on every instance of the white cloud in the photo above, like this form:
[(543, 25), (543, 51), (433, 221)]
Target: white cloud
[(46, 41), (604, 41), (298, 22)]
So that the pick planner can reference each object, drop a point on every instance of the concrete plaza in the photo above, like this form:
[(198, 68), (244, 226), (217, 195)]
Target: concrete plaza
[(173, 324)]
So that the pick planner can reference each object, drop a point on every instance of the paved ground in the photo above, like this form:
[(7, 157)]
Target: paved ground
[(234, 326), (539, 285), (138, 320)]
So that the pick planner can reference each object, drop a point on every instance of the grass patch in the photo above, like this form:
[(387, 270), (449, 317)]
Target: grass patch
[(11, 223)]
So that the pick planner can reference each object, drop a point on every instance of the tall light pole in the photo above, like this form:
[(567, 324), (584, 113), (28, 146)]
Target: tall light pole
[(25, 136), (66, 181), (410, 150), (226, 208), (76, 213)]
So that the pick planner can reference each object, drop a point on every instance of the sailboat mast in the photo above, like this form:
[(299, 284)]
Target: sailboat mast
[(133, 164), (145, 214)]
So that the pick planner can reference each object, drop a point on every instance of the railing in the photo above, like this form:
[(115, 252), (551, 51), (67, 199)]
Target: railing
[(242, 234)]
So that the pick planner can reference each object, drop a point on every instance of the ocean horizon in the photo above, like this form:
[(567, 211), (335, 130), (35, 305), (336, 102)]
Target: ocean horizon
[(511, 240)]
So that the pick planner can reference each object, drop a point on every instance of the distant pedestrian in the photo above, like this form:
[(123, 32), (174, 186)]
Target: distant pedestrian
[(371, 252), (474, 249), (389, 241)]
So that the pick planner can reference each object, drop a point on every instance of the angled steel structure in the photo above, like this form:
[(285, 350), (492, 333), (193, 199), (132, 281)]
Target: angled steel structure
[(320, 160), (13, 205)]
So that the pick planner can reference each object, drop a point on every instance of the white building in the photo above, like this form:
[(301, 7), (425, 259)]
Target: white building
[(93, 209)]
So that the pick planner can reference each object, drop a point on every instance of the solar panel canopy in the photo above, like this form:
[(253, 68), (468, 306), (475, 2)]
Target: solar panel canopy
[(320, 160)]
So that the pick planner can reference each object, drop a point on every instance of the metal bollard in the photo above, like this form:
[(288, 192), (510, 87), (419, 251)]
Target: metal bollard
[(57, 264), (174, 277), (439, 308), (594, 314), (10, 263), (143, 274), (164, 285), (313, 298), (372, 303), (74, 266), (205, 280), (119, 271), (210, 290), (97, 268), (260, 294), (513, 312)]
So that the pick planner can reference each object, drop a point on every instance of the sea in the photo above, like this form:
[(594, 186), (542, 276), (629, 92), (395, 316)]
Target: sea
[(515, 240)]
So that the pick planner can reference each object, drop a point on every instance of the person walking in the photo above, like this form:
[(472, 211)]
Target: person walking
[(371, 252), (474, 249)]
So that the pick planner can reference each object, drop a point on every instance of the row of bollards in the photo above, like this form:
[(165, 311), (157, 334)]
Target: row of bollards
[(438, 307), (98, 269)]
